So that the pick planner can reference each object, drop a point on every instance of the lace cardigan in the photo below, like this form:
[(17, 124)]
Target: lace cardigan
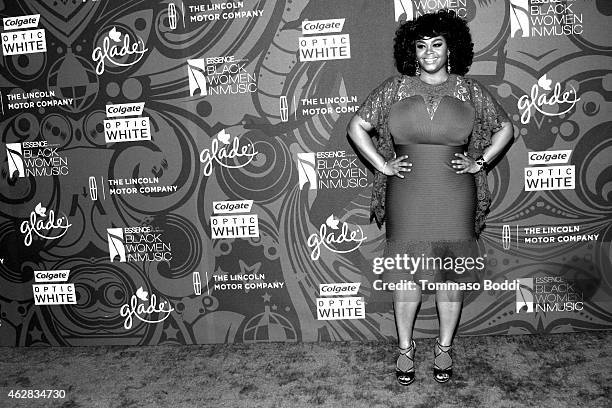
[(489, 116)]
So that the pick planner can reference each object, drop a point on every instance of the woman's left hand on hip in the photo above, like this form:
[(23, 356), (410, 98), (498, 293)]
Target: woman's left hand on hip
[(465, 164)]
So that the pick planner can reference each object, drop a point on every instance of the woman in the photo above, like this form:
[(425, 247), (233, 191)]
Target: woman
[(434, 134)]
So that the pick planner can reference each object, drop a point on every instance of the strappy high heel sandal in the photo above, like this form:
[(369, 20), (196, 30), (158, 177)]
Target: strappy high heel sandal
[(404, 367), (443, 362)]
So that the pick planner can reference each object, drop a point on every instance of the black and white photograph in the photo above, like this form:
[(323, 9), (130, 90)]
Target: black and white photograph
[(306, 203)]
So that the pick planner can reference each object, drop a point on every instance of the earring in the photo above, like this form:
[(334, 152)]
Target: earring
[(417, 71), (448, 65)]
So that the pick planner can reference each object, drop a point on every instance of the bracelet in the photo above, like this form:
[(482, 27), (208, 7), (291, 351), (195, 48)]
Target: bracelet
[(482, 163)]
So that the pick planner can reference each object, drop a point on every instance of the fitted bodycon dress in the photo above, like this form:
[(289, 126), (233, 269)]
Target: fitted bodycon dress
[(430, 212)]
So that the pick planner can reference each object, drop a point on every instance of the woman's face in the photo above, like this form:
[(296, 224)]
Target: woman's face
[(432, 54)]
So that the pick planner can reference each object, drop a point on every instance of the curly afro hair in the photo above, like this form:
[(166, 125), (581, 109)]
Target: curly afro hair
[(443, 23)]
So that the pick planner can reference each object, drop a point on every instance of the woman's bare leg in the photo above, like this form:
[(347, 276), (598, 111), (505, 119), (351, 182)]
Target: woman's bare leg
[(450, 303), (406, 304)]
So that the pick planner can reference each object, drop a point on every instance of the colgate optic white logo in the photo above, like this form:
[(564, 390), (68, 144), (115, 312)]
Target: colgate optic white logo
[(112, 52), (324, 47), (37, 225), (121, 128), (352, 239), (25, 41), (537, 101), (221, 149)]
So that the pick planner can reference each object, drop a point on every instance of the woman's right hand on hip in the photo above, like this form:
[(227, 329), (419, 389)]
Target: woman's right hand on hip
[(397, 166)]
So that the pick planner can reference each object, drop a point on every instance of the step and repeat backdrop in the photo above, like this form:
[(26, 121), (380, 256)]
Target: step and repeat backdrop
[(178, 171)]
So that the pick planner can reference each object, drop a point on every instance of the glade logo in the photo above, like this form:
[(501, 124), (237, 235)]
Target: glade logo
[(223, 149), (333, 169), (324, 47), (537, 101), (118, 53), (548, 294), (25, 41), (138, 244), (122, 129), (540, 18), (550, 177), (142, 308), (36, 159), (236, 225), (220, 76), (44, 225), (51, 292), (339, 240), (406, 10)]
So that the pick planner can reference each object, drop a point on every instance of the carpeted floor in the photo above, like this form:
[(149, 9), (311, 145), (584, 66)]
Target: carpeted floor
[(561, 370)]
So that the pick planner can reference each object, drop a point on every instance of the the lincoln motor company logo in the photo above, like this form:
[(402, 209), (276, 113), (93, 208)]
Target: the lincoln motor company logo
[(313, 106), (172, 15), (210, 12)]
